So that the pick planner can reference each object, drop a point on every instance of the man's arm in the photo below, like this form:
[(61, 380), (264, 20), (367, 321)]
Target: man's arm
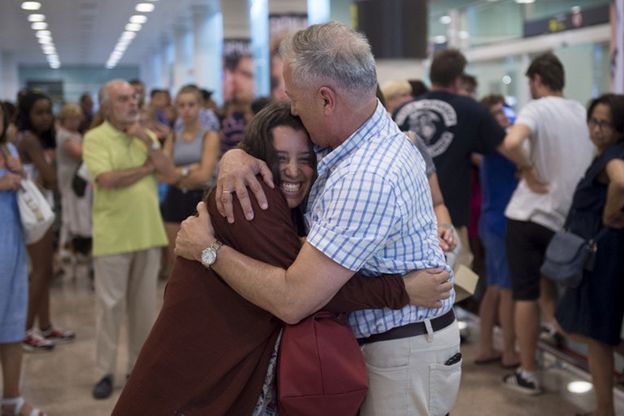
[(292, 294), (160, 161), (613, 215), (511, 148), (124, 177), (238, 171)]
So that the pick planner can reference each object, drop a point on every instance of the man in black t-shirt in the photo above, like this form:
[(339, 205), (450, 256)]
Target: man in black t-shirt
[(453, 127)]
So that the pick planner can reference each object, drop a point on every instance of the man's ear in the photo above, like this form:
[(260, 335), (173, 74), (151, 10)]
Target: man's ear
[(328, 98)]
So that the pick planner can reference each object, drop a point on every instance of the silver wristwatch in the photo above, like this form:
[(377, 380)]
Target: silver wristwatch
[(209, 254)]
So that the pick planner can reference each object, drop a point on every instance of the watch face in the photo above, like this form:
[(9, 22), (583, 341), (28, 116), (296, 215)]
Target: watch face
[(208, 256)]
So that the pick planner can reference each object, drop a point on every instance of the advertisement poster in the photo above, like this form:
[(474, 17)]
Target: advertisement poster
[(238, 71), (279, 26)]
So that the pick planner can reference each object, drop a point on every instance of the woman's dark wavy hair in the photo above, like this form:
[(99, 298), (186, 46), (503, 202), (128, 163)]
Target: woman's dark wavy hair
[(258, 140), (615, 102), (25, 104)]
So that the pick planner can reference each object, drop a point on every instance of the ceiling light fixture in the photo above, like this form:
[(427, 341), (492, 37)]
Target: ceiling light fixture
[(133, 27), (445, 20), (36, 18), (43, 33), (439, 39), (525, 1), (31, 5), (144, 7), (138, 18), (39, 26)]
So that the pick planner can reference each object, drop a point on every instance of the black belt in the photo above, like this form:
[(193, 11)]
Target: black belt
[(411, 330)]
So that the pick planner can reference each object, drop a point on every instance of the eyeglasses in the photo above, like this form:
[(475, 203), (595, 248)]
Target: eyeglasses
[(126, 98), (601, 124)]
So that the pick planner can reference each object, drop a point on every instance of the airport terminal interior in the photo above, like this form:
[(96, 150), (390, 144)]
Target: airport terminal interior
[(199, 72)]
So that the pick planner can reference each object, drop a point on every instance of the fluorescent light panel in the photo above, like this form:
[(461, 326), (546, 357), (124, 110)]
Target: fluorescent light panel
[(31, 5), (36, 18), (39, 26), (144, 7)]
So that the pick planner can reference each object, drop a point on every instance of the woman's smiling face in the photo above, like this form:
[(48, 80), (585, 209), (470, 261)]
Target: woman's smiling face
[(294, 156)]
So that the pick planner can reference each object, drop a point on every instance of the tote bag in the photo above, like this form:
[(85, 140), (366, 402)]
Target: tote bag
[(35, 211), (321, 370)]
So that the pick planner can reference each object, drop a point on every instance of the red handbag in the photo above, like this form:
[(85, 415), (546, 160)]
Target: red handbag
[(321, 370)]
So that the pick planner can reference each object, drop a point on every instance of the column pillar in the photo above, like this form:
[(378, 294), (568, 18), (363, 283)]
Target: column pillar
[(208, 47), (318, 11), (259, 27), (182, 65), (8, 76)]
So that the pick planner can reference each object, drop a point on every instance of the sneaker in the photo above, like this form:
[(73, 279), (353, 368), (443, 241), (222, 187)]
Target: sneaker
[(517, 382), (58, 335), (103, 388), (36, 343)]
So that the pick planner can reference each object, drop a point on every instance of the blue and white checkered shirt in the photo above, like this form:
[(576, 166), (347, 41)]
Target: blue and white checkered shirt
[(370, 210)]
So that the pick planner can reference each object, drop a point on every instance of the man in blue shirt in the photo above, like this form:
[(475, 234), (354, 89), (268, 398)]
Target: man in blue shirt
[(370, 210)]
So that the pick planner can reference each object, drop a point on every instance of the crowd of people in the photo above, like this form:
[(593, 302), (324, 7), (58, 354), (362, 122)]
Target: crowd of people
[(347, 196)]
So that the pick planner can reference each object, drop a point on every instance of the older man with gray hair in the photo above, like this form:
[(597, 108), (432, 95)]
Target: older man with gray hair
[(369, 210), (122, 158)]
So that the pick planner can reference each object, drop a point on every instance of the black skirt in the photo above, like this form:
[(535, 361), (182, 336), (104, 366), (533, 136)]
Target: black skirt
[(180, 203)]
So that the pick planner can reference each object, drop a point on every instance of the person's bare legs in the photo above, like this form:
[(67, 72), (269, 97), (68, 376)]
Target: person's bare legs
[(527, 330), (601, 367), (547, 301), (41, 254), (506, 318), (11, 358), (487, 315), (171, 228)]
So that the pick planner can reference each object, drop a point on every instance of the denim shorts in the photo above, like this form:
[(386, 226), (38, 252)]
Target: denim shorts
[(496, 265)]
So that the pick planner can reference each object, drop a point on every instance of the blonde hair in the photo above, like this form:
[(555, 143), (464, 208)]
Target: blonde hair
[(392, 89), (69, 110)]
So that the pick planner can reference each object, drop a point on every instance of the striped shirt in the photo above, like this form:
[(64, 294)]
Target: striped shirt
[(370, 210)]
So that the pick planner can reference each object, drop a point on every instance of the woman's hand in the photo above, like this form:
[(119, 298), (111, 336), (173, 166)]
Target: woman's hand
[(238, 171), (196, 233), (428, 287), (14, 164), (10, 182)]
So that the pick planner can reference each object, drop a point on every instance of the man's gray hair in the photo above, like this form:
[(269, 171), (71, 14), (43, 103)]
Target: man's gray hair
[(331, 52), (104, 92)]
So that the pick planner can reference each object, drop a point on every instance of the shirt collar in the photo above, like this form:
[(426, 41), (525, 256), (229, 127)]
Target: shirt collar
[(364, 133)]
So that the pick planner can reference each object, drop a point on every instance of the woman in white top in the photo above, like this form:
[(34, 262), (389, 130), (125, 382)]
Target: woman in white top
[(75, 210)]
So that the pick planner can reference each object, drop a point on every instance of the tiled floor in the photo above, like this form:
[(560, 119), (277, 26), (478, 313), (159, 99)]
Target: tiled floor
[(60, 381)]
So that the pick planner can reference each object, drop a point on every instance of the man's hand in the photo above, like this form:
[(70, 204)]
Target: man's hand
[(196, 233), (428, 287), (238, 170), (140, 132), (533, 181), (446, 235)]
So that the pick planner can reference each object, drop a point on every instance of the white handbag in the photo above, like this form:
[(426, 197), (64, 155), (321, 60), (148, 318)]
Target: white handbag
[(35, 211)]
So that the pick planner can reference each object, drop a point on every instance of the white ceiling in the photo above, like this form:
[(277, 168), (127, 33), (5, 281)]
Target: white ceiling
[(85, 31)]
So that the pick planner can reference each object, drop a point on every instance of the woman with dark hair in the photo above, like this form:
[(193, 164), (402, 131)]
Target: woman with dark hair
[(35, 143), (211, 351), (592, 313), (13, 278)]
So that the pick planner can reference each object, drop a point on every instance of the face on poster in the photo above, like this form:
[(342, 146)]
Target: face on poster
[(280, 25), (238, 70)]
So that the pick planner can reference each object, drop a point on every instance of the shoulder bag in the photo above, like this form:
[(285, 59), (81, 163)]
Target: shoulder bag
[(35, 211), (568, 256), (321, 370)]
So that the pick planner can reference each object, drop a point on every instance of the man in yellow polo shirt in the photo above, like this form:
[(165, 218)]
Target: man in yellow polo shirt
[(122, 158)]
